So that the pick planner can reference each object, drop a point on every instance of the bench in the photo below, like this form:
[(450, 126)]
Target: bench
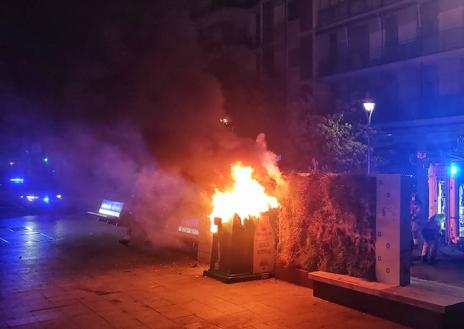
[(423, 304), (187, 235), (109, 211), (188, 229)]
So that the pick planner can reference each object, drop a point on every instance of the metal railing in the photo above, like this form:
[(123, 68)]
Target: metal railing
[(346, 9), (347, 60)]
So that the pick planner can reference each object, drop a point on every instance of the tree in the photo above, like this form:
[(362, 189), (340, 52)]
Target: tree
[(325, 142)]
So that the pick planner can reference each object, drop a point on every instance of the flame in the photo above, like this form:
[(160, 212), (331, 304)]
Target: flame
[(247, 198)]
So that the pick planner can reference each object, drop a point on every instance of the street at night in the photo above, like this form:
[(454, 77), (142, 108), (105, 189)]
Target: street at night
[(71, 272), (232, 164)]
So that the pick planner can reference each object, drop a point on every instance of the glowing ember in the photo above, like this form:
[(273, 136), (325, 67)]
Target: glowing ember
[(247, 198)]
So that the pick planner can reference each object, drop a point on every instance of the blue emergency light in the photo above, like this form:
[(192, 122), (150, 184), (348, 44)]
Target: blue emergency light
[(454, 169), (17, 180)]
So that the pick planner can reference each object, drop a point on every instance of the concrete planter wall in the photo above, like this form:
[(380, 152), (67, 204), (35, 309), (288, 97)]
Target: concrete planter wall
[(293, 275)]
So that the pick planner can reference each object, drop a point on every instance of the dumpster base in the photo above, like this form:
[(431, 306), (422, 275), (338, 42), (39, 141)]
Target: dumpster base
[(233, 278)]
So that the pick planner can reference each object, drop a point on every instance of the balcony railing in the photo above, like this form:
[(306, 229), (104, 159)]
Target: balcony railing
[(218, 5), (347, 9), (346, 60)]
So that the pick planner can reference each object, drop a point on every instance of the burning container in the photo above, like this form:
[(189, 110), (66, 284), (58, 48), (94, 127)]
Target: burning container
[(242, 250), (243, 239)]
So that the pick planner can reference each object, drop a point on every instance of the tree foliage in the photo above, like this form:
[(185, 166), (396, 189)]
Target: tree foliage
[(326, 142)]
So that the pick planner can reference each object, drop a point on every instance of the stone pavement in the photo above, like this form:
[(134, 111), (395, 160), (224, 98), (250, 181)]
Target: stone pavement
[(63, 274), (449, 268)]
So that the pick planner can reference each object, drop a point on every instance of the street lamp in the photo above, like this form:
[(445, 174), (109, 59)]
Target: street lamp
[(369, 106)]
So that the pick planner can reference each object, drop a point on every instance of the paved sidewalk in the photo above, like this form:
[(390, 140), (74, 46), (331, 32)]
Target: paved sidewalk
[(449, 268), (173, 296), (63, 274)]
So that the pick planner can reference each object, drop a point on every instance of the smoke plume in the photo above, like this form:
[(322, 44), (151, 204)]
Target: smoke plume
[(127, 106)]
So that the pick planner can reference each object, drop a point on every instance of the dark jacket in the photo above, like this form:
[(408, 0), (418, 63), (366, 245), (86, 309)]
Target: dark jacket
[(431, 230)]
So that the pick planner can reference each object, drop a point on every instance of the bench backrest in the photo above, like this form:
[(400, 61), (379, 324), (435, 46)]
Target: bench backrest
[(111, 208), (189, 226)]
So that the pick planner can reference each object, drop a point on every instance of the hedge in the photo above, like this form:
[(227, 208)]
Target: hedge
[(327, 222)]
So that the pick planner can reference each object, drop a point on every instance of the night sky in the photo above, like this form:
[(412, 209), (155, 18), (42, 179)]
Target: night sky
[(115, 70), (98, 63), (76, 57)]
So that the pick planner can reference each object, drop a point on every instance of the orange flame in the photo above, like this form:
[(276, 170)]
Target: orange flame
[(247, 198)]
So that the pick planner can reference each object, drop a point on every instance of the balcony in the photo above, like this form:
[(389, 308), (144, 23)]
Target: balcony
[(348, 61), (347, 9), (206, 9)]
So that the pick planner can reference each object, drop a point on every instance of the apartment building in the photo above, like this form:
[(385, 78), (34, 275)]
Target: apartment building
[(406, 52), (229, 26), (256, 27), (408, 55)]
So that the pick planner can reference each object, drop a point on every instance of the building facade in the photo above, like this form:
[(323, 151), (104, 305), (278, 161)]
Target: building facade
[(228, 26), (406, 54)]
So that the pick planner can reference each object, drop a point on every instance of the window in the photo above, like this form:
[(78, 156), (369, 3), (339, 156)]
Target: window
[(294, 57), (333, 48), (292, 10), (429, 80), (449, 77), (305, 8), (268, 61), (258, 28), (407, 25), (357, 6), (391, 31), (306, 57), (429, 17), (339, 9), (374, 3), (359, 45), (331, 10), (268, 23), (359, 37)]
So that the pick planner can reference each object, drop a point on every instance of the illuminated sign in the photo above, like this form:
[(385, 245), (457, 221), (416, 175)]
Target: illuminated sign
[(111, 208), (188, 230)]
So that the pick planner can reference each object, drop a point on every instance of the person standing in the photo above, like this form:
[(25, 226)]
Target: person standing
[(431, 235), (416, 221)]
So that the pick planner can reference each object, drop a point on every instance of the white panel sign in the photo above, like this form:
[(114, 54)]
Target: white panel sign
[(264, 247), (391, 246)]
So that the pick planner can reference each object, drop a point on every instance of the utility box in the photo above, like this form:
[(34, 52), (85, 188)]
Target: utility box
[(242, 250), (393, 229)]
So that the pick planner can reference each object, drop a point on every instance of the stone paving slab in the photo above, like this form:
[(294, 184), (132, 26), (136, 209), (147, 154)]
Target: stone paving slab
[(175, 296), (84, 279)]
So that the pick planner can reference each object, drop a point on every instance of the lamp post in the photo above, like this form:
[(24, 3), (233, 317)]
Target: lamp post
[(369, 106)]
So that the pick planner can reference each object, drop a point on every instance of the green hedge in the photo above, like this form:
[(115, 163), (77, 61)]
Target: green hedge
[(327, 222)]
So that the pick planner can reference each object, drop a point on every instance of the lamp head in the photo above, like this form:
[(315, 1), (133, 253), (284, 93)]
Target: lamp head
[(369, 105)]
